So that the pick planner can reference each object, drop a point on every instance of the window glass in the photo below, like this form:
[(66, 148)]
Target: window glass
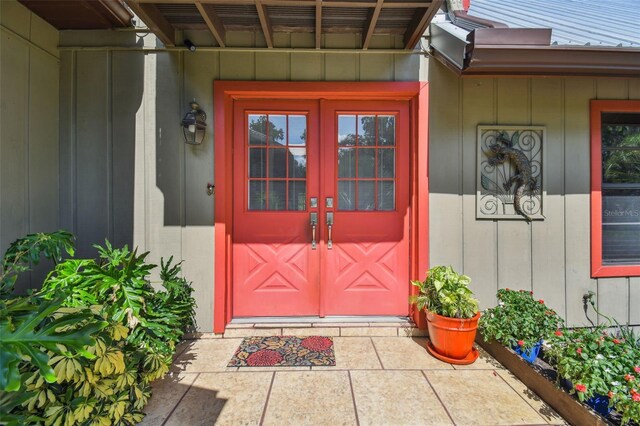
[(620, 188), (366, 162)]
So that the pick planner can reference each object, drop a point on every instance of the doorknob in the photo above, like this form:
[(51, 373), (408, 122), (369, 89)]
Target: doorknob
[(314, 223), (330, 225)]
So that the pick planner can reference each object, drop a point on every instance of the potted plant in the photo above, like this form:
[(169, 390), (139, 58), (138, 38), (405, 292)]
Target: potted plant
[(520, 322), (452, 314)]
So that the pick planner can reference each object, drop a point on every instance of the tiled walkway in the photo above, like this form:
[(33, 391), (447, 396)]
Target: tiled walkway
[(377, 381)]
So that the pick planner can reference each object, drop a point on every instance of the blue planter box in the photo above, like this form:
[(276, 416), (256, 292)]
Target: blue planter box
[(529, 355), (600, 403)]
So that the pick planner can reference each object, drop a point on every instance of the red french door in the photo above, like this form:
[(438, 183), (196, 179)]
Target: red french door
[(321, 196)]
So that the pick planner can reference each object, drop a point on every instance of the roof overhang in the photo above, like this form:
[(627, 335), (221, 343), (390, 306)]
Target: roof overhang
[(81, 14), (525, 51), (409, 18)]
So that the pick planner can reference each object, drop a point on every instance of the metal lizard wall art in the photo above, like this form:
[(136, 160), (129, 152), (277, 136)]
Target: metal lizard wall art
[(526, 184)]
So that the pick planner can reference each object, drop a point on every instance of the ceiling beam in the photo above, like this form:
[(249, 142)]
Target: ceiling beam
[(156, 22), (213, 22), (265, 22), (371, 24), (420, 22), (318, 24)]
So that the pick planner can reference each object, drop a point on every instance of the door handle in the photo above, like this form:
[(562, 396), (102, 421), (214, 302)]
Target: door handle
[(330, 226), (314, 224)]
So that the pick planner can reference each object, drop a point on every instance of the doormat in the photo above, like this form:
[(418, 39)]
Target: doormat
[(284, 351)]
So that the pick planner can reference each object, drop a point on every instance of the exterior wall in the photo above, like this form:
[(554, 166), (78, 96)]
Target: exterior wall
[(126, 173), (550, 257), (29, 72)]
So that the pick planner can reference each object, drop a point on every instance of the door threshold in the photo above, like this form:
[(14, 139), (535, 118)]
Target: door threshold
[(316, 320)]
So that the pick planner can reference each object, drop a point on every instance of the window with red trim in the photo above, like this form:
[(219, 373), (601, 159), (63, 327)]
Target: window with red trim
[(615, 188)]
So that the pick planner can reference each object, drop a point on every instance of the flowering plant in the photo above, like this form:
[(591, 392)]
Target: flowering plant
[(595, 362), (626, 397), (519, 319)]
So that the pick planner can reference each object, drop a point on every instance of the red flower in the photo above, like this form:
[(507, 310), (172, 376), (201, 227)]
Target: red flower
[(558, 333), (581, 388), (636, 397), (610, 394), (264, 357), (636, 369), (541, 301), (520, 342), (316, 343), (629, 378), (616, 341), (508, 289), (579, 350), (531, 293)]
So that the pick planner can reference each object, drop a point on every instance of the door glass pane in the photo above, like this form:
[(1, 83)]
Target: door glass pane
[(366, 195), (346, 162), (277, 163), (386, 163), (386, 195), (257, 195), (297, 129), (346, 195), (386, 130), (366, 130), (257, 162), (297, 195), (297, 162), (366, 162), (277, 129), (257, 129), (277, 195), (346, 130)]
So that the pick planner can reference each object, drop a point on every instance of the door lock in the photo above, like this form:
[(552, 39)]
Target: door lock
[(314, 224)]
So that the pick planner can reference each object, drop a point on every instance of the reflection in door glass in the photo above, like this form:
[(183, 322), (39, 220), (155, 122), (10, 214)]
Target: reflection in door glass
[(366, 195), (366, 130), (257, 129), (297, 130), (346, 195), (346, 130), (277, 129), (277, 170), (366, 171)]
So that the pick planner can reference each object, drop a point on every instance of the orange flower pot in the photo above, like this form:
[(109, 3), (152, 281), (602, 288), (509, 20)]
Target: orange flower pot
[(452, 337)]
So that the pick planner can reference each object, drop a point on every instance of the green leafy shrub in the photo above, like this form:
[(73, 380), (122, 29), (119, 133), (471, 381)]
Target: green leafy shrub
[(445, 293), (110, 384), (519, 319)]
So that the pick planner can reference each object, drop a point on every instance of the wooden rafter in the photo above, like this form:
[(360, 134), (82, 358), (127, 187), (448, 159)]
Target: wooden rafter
[(213, 22), (420, 23), (156, 22), (318, 24), (265, 22), (371, 24)]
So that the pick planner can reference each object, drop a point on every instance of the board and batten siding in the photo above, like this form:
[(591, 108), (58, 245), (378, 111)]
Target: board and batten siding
[(126, 173), (29, 64), (549, 257)]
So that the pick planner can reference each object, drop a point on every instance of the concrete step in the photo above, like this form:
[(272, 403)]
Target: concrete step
[(401, 328)]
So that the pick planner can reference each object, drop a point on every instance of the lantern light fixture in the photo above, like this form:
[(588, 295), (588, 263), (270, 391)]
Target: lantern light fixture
[(194, 124)]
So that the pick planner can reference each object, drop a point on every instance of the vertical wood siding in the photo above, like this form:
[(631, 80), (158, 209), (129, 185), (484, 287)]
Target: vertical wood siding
[(550, 257), (129, 177), (29, 165)]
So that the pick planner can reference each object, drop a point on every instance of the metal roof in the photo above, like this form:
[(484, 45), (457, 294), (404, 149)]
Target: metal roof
[(573, 22)]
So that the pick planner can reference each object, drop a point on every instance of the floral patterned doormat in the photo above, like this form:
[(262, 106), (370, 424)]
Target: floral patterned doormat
[(284, 351)]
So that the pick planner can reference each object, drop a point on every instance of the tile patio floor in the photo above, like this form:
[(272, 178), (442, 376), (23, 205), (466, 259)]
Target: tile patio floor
[(377, 381)]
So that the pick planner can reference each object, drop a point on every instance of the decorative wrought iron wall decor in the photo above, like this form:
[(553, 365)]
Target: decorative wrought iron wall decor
[(509, 183)]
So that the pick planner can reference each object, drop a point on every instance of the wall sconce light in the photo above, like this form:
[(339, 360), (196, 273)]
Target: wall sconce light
[(189, 45), (194, 124)]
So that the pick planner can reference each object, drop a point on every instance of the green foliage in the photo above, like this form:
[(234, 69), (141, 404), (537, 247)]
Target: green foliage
[(27, 251), (445, 293), (105, 380), (519, 318)]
